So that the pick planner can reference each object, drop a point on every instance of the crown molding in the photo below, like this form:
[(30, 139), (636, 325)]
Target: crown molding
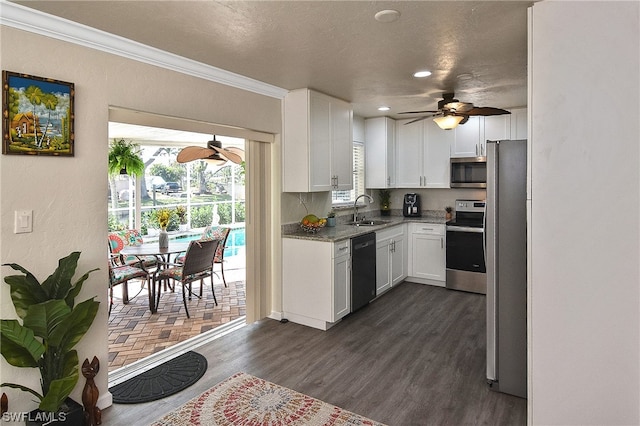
[(26, 19)]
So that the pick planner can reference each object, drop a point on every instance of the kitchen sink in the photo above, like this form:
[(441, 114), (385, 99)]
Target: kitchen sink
[(369, 222)]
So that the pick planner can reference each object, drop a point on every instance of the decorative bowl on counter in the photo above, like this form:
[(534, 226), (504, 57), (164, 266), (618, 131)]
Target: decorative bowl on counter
[(312, 228), (312, 223)]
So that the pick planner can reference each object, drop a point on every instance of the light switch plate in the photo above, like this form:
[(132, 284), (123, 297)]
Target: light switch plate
[(23, 221)]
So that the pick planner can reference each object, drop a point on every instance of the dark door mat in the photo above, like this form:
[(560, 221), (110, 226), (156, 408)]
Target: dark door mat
[(161, 381)]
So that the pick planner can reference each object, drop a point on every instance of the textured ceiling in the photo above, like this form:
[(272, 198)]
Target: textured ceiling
[(476, 49)]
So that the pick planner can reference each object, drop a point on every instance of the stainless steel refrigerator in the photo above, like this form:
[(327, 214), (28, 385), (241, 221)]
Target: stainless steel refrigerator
[(506, 251)]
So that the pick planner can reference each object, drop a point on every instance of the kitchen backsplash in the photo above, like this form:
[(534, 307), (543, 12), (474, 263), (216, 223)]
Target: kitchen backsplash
[(319, 203)]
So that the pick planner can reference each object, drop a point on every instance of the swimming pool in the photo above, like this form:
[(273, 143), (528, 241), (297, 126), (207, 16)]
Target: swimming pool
[(235, 241)]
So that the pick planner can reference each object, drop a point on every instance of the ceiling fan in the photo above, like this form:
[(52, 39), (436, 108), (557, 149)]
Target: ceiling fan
[(213, 153), (452, 112)]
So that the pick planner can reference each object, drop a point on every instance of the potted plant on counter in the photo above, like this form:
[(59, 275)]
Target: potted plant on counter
[(331, 219), (448, 213), (50, 325), (385, 202)]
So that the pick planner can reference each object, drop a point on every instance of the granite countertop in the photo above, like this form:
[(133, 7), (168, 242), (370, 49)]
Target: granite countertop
[(344, 231)]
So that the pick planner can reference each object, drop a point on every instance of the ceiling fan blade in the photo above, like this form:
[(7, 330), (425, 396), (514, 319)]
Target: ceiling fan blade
[(417, 112), (229, 155), (237, 151), (192, 153), (486, 111), (418, 119), (458, 107)]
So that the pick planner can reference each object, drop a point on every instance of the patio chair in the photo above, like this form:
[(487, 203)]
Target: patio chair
[(121, 275), (220, 234), (131, 237), (197, 265)]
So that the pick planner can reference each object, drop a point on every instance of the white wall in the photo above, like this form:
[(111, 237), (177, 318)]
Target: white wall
[(584, 246), (68, 195)]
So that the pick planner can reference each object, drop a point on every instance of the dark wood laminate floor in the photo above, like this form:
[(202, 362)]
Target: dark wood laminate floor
[(415, 356)]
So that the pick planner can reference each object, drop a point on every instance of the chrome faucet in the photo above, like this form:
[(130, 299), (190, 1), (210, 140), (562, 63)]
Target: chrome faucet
[(355, 206)]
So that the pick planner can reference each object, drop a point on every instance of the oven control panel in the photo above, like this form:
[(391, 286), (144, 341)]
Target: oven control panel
[(470, 205)]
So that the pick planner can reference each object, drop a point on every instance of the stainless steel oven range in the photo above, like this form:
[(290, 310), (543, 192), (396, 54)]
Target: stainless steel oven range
[(466, 268)]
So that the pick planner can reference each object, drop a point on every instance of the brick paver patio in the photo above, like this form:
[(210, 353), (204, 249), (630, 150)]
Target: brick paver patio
[(135, 333)]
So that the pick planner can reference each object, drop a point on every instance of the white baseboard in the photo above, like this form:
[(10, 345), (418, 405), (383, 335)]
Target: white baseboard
[(276, 315), (105, 400), (310, 322), (426, 281)]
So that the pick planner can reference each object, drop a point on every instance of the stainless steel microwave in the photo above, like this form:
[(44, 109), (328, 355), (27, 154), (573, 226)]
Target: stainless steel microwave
[(468, 172)]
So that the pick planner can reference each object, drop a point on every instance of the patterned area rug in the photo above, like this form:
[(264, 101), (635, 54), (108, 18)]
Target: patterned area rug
[(246, 400)]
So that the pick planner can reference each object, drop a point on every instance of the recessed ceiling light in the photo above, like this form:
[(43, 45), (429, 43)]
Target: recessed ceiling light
[(387, 15), (383, 108), (421, 74)]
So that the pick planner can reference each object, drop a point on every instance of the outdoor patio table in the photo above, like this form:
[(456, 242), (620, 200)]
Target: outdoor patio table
[(162, 254)]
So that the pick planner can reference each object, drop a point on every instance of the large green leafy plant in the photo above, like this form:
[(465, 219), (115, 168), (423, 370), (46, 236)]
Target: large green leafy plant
[(125, 157), (51, 326)]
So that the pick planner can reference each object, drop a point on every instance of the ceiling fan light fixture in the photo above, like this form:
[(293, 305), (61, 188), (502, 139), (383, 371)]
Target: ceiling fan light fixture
[(215, 161), (448, 122)]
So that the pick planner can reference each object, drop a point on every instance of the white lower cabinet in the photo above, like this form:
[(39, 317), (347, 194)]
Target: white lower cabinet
[(312, 293), (391, 261), (341, 280), (427, 263), (316, 275)]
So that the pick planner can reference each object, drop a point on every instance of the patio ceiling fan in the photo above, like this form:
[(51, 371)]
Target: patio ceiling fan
[(452, 112), (213, 153)]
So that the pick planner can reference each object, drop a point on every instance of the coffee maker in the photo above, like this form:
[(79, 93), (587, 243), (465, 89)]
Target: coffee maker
[(411, 205)]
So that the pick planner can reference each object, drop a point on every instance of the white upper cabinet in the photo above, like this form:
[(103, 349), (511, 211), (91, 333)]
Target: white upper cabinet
[(317, 143), (508, 126), (519, 123), (437, 166), (422, 155), (358, 129), (380, 152), (469, 138), (497, 127), (341, 145), (409, 141)]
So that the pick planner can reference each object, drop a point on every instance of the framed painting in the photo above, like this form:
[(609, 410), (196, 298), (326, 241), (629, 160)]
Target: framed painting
[(37, 115)]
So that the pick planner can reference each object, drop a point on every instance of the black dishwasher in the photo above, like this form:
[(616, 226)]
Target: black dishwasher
[(363, 270)]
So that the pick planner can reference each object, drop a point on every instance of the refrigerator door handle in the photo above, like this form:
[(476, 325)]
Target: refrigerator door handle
[(484, 233), (490, 262)]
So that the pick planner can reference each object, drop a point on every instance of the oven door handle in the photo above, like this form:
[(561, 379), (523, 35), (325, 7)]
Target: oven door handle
[(465, 229)]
